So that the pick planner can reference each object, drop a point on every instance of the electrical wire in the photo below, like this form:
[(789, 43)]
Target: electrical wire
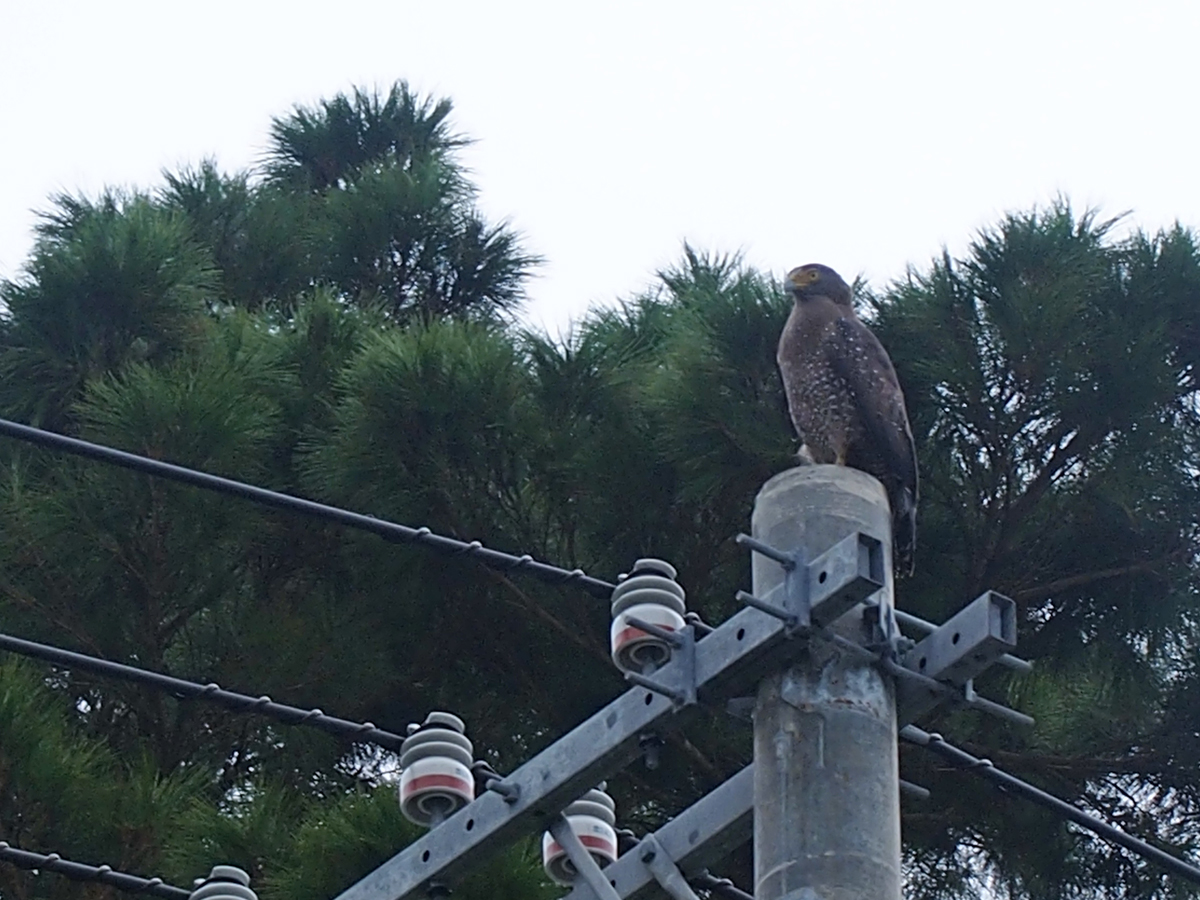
[(52, 862), (389, 531), (423, 537), (935, 743), (721, 887), (292, 715)]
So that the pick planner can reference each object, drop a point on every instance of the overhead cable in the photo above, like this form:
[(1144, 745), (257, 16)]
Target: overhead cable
[(52, 862), (719, 887), (935, 743), (389, 531), (292, 715)]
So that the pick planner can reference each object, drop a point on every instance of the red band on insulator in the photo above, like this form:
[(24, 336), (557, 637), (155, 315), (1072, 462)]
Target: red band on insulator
[(590, 842), (424, 782), (598, 843), (629, 633)]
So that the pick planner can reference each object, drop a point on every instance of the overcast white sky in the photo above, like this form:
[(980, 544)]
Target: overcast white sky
[(860, 134)]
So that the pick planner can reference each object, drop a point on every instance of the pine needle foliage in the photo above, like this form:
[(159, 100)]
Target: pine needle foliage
[(110, 282)]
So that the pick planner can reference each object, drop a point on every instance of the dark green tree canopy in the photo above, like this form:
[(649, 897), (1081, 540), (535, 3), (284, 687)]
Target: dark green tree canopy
[(335, 143), (110, 282), (364, 193), (1052, 381)]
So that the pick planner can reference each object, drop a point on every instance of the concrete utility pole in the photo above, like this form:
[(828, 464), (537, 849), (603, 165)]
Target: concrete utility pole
[(826, 774)]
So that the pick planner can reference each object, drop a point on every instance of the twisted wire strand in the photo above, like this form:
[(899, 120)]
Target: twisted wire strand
[(935, 743), (52, 862), (264, 705), (389, 531), (720, 887)]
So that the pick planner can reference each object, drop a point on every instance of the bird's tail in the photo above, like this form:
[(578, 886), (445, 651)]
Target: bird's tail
[(904, 529)]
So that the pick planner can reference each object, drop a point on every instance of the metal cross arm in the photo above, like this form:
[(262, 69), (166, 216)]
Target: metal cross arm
[(916, 623), (730, 659), (698, 837), (955, 652)]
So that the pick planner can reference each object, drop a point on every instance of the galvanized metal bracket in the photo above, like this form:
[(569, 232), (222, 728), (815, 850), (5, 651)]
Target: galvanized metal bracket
[(955, 652), (915, 791), (676, 682), (815, 593), (659, 863)]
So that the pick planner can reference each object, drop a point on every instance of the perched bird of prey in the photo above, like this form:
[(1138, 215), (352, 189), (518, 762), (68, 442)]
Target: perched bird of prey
[(844, 397)]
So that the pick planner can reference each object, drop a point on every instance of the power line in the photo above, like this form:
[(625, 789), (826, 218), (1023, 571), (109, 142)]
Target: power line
[(389, 531), (721, 887), (935, 743), (423, 537), (292, 715), (52, 862)]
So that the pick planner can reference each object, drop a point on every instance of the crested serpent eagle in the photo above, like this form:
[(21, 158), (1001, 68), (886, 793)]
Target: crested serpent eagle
[(844, 397)]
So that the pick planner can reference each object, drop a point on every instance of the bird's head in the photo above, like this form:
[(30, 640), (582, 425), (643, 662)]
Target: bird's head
[(816, 280)]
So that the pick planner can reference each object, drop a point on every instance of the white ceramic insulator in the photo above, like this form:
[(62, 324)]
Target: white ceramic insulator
[(633, 650), (594, 803), (434, 786), (432, 740), (648, 587), (598, 838), (224, 883), (435, 742)]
